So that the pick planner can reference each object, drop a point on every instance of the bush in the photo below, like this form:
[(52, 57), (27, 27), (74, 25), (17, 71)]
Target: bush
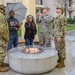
[(71, 20)]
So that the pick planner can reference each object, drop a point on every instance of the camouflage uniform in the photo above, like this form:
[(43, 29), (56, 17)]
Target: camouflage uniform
[(59, 31), (3, 36), (45, 34)]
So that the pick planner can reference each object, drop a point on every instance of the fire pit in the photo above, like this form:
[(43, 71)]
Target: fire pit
[(32, 60)]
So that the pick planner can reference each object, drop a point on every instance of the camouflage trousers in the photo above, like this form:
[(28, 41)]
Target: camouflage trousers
[(45, 39), (3, 49), (60, 47)]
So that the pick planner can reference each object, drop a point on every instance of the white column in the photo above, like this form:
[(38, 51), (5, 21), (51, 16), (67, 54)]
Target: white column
[(5, 2)]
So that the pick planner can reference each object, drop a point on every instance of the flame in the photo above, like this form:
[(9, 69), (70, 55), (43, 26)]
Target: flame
[(31, 50)]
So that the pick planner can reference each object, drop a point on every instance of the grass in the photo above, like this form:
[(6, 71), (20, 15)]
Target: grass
[(69, 28), (38, 28), (19, 32)]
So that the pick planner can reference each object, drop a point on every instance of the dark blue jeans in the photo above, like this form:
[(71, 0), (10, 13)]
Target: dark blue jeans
[(29, 41), (13, 41)]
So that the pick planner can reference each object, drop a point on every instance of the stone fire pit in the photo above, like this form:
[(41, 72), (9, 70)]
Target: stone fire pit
[(37, 63)]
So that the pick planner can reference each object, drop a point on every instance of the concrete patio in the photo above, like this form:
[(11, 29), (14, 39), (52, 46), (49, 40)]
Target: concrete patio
[(70, 61)]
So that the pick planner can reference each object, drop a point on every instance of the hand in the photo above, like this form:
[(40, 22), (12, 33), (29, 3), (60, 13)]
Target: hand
[(11, 24), (16, 28), (40, 14), (58, 39)]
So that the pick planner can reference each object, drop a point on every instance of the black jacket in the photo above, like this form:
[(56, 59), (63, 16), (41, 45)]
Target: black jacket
[(12, 27), (29, 31)]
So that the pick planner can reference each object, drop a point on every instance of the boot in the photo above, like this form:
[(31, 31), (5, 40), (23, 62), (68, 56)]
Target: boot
[(4, 65), (60, 64), (4, 69), (59, 60)]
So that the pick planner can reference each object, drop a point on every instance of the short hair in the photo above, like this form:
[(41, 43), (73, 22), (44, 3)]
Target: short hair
[(11, 11)]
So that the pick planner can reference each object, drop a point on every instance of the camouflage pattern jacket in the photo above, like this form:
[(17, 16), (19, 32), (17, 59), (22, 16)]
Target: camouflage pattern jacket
[(59, 26), (45, 21), (4, 33)]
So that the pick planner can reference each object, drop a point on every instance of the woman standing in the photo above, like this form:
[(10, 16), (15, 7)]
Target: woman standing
[(30, 30)]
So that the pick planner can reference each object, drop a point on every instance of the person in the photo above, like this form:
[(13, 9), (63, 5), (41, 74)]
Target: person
[(59, 28), (13, 25), (45, 34), (30, 30), (3, 39)]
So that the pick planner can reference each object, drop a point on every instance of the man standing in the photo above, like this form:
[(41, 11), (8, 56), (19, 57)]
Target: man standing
[(59, 36), (13, 28), (3, 39), (45, 35)]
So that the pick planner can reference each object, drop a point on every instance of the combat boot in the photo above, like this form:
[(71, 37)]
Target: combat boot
[(4, 69), (4, 65), (60, 64), (59, 60)]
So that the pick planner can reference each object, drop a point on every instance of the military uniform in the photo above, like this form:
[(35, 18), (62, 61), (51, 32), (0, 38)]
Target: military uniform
[(45, 33), (3, 36), (59, 32)]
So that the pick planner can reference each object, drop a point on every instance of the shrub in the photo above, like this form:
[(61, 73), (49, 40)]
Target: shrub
[(71, 20)]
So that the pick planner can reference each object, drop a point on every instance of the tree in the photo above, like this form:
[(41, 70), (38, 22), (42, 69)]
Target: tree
[(66, 4)]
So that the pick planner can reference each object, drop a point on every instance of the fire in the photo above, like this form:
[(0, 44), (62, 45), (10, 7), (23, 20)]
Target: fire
[(31, 50)]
